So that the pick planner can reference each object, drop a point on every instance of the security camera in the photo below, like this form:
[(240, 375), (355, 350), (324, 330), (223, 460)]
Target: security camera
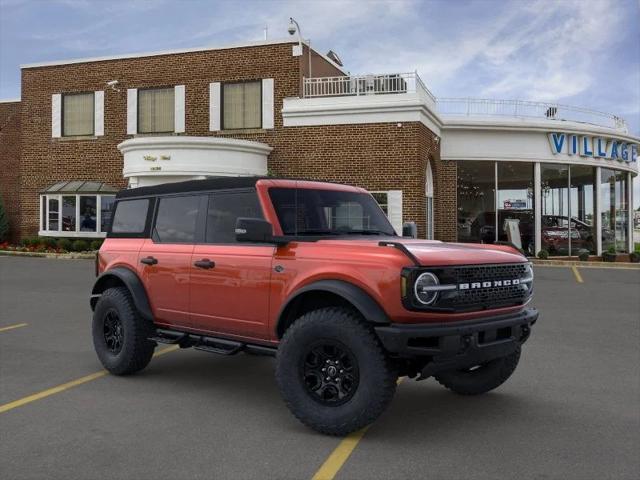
[(112, 84), (292, 27)]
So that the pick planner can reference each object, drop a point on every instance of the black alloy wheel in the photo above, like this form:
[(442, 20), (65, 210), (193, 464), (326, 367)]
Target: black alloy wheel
[(113, 331), (330, 372)]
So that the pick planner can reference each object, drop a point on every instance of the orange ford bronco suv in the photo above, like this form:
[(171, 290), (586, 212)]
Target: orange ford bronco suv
[(314, 274)]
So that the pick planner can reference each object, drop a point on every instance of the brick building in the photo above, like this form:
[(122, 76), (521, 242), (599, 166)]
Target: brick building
[(85, 128)]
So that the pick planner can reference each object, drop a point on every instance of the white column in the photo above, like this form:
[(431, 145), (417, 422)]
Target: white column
[(537, 207), (132, 111), (598, 211), (77, 213), (98, 213), (630, 210)]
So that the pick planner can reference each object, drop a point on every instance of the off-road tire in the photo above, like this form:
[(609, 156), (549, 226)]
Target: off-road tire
[(481, 380), (136, 350), (377, 375)]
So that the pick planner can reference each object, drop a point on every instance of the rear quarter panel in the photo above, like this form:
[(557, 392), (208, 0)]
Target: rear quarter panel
[(119, 252)]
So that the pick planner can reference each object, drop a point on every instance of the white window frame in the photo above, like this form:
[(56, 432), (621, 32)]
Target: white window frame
[(44, 216), (57, 115)]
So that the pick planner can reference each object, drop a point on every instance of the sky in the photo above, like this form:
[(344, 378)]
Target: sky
[(577, 52)]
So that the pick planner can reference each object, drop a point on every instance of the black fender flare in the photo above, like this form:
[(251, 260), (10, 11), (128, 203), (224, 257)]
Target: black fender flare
[(370, 309), (130, 280)]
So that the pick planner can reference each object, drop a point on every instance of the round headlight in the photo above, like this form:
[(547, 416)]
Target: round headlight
[(423, 288)]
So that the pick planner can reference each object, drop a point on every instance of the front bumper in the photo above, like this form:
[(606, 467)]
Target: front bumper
[(459, 345)]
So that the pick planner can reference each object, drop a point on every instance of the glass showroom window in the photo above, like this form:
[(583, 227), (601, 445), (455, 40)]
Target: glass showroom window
[(156, 110), (77, 215), (477, 201), (242, 105), (78, 114), (555, 208), (614, 210), (582, 209), (515, 202)]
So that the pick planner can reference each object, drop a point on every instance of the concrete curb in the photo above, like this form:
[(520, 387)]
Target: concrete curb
[(61, 256), (571, 263)]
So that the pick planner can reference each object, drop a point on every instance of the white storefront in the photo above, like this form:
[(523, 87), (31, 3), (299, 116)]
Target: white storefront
[(569, 184)]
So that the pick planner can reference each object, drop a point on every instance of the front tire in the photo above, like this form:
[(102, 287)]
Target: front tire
[(482, 378), (332, 372), (120, 334)]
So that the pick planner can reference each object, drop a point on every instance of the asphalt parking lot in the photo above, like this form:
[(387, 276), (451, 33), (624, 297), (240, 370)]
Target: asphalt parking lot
[(571, 410)]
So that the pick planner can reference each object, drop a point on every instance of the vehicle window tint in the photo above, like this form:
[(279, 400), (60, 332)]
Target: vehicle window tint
[(328, 212), (176, 219), (130, 216), (224, 210)]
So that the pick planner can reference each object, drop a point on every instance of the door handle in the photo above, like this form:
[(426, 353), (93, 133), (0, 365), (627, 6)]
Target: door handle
[(149, 261), (205, 263)]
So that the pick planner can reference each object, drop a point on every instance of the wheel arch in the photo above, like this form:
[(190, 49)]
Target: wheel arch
[(324, 293), (123, 277)]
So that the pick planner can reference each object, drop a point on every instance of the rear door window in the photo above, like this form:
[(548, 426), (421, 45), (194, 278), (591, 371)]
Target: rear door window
[(224, 210), (130, 216), (176, 219)]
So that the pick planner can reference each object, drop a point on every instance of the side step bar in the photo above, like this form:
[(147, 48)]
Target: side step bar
[(221, 346)]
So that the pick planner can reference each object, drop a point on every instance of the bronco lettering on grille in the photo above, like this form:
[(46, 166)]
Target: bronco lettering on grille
[(489, 284)]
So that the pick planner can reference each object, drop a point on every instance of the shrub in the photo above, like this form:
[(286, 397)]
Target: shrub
[(543, 254), (95, 244), (634, 257), (4, 223), (611, 249), (80, 246), (64, 244), (583, 255), (48, 242), (29, 241)]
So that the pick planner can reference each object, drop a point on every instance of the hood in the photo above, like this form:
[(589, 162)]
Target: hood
[(434, 253)]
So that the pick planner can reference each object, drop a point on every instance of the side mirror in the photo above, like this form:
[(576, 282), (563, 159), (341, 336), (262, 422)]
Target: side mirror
[(255, 230), (409, 230)]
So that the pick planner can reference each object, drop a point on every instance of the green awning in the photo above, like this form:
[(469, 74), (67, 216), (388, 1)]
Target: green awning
[(80, 187)]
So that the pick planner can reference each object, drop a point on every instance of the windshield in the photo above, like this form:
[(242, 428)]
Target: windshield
[(328, 212)]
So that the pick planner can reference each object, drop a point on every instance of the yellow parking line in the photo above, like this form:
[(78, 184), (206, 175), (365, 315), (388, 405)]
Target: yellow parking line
[(11, 327), (66, 386), (342, 452), (576, 274)]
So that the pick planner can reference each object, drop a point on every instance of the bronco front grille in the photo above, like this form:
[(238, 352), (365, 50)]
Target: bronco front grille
[(480, 287)]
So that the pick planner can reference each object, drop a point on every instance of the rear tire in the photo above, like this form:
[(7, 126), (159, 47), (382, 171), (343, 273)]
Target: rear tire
[(357, 384), (480, 379), (120, 334)]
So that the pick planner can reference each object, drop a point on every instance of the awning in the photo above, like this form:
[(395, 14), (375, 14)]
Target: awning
[(80, 187)]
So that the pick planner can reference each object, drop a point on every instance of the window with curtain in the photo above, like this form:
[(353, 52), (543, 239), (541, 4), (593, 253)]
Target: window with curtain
[(77, 114), (241, 105), (156, 109)]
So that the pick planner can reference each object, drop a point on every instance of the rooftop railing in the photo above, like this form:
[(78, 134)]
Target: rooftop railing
[(399, 83), (526, 109), (356, 85)]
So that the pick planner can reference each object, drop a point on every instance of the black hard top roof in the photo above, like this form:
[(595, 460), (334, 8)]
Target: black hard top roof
[(218, 183), (207, 185)]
